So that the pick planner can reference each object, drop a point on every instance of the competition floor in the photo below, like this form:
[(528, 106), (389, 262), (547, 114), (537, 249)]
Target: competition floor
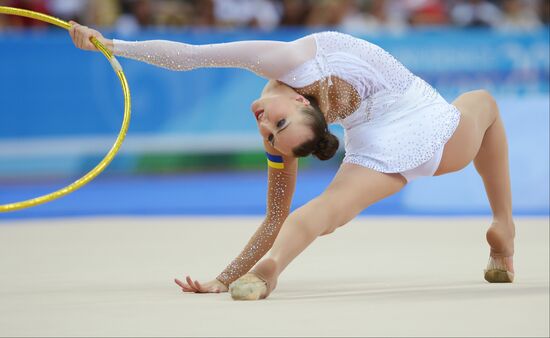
[(374, 277)]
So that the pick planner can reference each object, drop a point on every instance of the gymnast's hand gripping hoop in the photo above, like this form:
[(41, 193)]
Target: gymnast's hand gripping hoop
[(121, 135)]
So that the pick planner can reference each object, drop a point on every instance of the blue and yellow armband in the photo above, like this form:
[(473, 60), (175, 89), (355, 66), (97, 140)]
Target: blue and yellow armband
[(275, 161)]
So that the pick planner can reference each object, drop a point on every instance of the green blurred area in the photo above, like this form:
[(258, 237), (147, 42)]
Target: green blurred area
[(253, 160)]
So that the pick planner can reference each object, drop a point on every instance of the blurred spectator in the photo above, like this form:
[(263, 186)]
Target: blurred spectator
[(175, 13), (135, 15), (476, 13), (385, 14), (68, 9), (102, 13), (519, 15), (427, 12), (129, 16), (372, 15), (295, 12), (330, 12), (204, 14), (544, 11), (247, 13), (354, 16)]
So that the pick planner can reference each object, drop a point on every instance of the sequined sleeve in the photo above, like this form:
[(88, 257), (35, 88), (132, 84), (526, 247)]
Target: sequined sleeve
[(281, 183), (269, 59)]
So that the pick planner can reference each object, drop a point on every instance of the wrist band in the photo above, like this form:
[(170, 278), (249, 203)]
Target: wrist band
[(275, 161)]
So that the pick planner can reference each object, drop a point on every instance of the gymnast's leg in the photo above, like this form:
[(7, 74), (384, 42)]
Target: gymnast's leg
[(353, 189), (481, 137)]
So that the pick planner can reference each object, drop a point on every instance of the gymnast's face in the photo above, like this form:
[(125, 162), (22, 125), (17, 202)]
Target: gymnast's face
[(281, 122)]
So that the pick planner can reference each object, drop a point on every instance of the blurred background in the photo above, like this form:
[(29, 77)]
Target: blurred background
[(193, 148)]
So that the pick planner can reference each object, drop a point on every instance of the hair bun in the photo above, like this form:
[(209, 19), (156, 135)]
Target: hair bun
[(326, 147)]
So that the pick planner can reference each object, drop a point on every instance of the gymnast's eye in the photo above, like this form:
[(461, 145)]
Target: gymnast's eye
[(270, 138), (281, 123)]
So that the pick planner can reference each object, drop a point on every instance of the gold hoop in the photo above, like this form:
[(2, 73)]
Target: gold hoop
[(121, 135)]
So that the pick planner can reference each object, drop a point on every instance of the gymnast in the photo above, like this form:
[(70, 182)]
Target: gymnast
[(397, 128)]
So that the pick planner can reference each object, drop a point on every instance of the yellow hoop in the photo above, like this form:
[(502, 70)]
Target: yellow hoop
[(121, 135)]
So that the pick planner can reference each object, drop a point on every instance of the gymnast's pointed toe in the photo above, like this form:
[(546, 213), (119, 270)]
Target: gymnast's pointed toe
[(497, 271), (248, 287)]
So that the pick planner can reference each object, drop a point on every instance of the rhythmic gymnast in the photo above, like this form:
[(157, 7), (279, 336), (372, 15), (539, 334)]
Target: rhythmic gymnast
[(397, 128)]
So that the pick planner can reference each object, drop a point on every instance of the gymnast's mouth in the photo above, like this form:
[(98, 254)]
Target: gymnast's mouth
[(259, 114)]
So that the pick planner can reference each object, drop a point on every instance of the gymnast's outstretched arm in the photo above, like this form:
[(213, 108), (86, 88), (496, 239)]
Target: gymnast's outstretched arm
[(269, 59), (281, 183), (280, 189)]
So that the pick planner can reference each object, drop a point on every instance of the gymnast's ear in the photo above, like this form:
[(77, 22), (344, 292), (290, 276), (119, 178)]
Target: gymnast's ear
[(302, 99)]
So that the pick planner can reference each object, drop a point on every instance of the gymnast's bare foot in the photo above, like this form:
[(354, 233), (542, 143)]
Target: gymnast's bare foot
[(500, 268), (257, 284)]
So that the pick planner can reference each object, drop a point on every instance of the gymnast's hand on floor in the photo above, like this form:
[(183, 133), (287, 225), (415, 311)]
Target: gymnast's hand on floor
[(81, 37), (214, 286)]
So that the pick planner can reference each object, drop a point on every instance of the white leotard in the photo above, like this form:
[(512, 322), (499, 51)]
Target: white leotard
[(401, 123)]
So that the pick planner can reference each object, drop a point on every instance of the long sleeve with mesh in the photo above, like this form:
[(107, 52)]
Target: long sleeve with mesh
[(281, 184), (269, 59)]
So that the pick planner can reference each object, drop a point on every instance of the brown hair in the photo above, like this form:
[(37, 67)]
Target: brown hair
[(324, 144)]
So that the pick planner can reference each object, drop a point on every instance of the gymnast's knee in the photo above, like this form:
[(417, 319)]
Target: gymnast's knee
[(489, 102), (312, 219), (487, 105), (480, 107), (334, 214)]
